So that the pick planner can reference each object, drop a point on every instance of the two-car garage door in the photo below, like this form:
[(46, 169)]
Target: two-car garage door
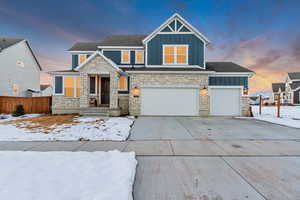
[(170, 101)]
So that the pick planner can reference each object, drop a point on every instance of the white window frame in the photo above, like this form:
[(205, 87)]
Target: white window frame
[(63, 90), (96, 87), (136, 56), (126, 88), (175, 54), (122, 61), (85, 55)]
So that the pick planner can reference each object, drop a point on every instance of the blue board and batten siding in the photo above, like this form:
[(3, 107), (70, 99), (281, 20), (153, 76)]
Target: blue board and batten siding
[(74, 61), (195, 49), (228, 81), (115, 56), (297, 97)]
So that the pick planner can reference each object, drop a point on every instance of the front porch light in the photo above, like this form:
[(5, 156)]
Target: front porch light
[(136, 92), (204, 91)]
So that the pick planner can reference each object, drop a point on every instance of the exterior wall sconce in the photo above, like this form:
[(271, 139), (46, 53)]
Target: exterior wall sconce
[(136, 92), (245, 91), (204, 91)]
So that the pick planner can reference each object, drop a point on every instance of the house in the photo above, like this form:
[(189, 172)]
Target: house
[(292, 85), (46, 90), (164, 73), (20, 70), (278, 89)]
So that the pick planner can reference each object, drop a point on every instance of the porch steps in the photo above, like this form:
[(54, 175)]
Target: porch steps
[(95, 111)]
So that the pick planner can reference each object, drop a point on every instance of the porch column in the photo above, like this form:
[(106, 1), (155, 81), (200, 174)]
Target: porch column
[(114, 83), (84, 102)]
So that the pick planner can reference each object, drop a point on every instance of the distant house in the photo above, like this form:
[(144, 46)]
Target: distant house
[(46, 90), (19, 68), (293, 87), (279, 90)]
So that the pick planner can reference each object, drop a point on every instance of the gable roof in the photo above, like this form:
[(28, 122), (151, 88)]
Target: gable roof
[(276, 86), (294, 75), (173, 17), (295, 85), (226, 67), (6, 42), (43, 87), (111, 40), (101, 55)]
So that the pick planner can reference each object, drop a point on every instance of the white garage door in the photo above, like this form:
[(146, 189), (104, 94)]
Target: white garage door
[(169, 101), (225, 101)]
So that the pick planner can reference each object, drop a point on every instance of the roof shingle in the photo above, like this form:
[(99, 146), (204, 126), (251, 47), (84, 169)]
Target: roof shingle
[(294, 75), (276, 86), (226, 67)]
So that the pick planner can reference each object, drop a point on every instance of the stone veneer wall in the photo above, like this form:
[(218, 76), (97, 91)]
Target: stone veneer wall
[(124, 104), (167, 80), (65, 105), (245, 106)]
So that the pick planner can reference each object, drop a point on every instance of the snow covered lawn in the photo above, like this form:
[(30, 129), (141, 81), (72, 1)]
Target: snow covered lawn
[(8, 117), (290, 115), (66, 128), (67, 175)]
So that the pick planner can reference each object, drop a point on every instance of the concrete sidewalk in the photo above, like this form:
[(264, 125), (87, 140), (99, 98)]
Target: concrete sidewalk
[(169, 147)]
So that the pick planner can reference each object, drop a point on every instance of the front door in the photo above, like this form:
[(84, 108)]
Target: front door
[(105, 90)]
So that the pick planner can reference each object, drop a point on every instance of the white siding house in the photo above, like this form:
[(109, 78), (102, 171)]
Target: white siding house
[(19, 68)]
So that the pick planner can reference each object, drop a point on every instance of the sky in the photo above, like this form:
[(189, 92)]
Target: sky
[(263, 35)]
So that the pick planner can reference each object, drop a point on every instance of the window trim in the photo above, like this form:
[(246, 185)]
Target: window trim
[(136, 56), (85, 55), (54, 87), (96, 87), (63, 86), (126, 84), (175, 54), (122, 61)]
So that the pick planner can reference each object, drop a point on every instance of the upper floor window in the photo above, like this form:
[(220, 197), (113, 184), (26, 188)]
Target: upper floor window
[(125, 57), (20, 64), (139, 56), (175, 54), (82, 58)]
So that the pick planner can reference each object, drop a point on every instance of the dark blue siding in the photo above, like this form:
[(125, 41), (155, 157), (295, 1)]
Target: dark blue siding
[(116, 57), (228, 81), (74, 61), (296, 97), (196, 48)]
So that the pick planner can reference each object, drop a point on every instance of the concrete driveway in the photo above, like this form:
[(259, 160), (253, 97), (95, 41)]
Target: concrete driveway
[(212, 128)]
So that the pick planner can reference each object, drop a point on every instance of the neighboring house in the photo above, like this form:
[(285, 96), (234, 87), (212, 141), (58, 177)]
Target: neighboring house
[(279, 90), (19, 68), (46, 90), (266, 97), (163, 73), (293, 87)]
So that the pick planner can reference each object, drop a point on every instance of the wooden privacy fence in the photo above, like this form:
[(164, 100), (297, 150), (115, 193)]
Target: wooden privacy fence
[(30, 104)]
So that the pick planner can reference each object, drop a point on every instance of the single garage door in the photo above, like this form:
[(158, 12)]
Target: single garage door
[(225, 101), (169, 101)]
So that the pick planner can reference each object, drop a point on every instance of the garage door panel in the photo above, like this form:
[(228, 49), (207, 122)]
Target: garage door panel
[(169, 101), (225, 101)]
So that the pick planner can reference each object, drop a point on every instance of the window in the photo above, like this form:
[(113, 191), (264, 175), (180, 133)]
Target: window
[(175, 54), (58, 85), (20, 64), (125, 57), (15, 88), (139, 57), (82, 58), (93, 85), (123, 83)]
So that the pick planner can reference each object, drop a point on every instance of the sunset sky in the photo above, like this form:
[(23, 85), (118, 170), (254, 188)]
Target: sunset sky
[(263, 35)]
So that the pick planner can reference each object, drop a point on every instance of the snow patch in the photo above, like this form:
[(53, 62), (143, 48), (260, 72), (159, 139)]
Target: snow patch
[(67, 175)]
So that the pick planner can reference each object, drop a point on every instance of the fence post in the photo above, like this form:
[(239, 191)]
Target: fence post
[(278, 106), (260, 104)]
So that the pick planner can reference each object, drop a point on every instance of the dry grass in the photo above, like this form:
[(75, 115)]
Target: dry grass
[(44, 123)]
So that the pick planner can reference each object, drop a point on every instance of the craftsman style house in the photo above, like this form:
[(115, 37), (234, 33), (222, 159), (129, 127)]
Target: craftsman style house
[(163, 73), (19, 68)]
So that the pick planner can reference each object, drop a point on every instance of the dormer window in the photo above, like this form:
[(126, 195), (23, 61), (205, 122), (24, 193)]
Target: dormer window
[(125, 57), (175, 54)]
